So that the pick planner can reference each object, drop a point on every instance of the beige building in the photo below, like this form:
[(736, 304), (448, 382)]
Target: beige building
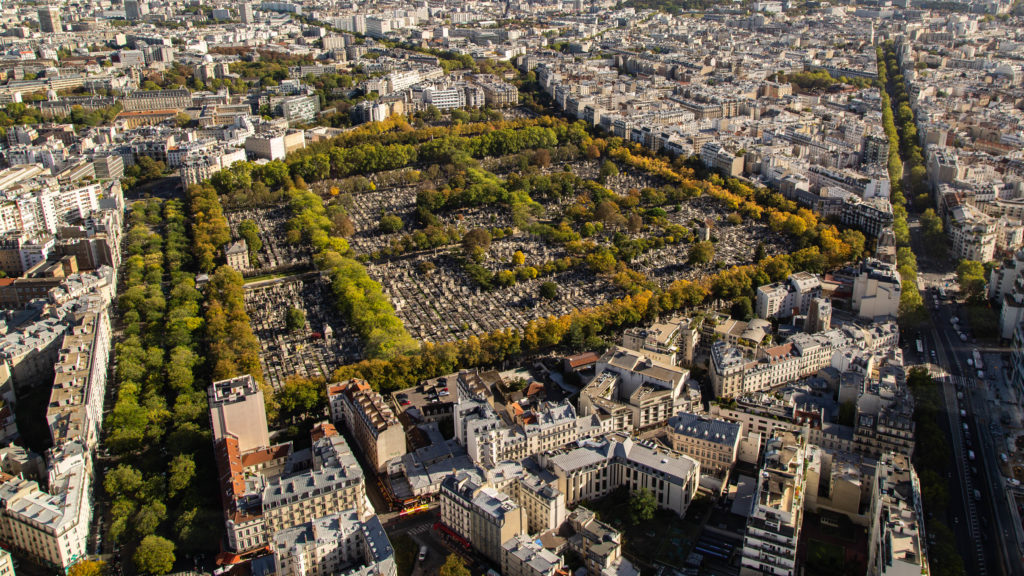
[(237, 410), (237, 255), (598, 468), (543, 504), (370, 421), (633, 390), (523, 556), (481, 516), (335, 483), (713, 443), (6, 564)]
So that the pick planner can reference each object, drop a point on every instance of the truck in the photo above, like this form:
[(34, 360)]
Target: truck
[(979, 364), (920, 347)]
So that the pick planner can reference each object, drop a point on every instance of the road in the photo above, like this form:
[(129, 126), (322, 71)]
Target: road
[(988, 531)]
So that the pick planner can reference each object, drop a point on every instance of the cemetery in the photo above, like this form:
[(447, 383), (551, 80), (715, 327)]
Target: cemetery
[(314, 350)]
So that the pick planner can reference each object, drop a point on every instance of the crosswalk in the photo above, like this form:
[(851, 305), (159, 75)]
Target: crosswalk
[(419, 529)]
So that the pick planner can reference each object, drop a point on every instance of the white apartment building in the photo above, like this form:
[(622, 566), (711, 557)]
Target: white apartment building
[(334, 544), (237, 411), (51, 527), (896, 541), (789, 298), (877, 290), (776, 515), (973, 233), (523, 556)]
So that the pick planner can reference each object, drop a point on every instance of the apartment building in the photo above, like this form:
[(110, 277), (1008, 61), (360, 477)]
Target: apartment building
[(335, 482), (633, 390), (50, 527), (140, 100), (237, 410), (712, 442), (973, 233), (523, 556), (876, 290), (75, 411), (6, 563), (543, 503), (480, 515), (658, 341), (789, 298), (776, 515), (369, 419), (597, 543), (896, 541), (598, 467), (715, 157), (738, 370), (336, 543)]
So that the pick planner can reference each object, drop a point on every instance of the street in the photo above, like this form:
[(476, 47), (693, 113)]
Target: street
[(986, 530)]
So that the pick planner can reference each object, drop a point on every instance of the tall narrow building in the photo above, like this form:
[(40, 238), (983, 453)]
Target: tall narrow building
[(246, 14), (49, 20), (776, 515)]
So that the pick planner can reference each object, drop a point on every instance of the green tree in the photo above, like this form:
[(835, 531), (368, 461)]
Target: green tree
[(701, 253), (180, 473), (295, 319), (155, 555), (454, 566), (251, 232), (608, 170), (390, 223), (971, 276), (549, 290), (642, 505)]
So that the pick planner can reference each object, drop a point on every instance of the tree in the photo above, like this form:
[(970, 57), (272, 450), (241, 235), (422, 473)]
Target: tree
[(155, 555), (701, 253), (182, 120), (181, 472), (642, 505), (518, 258), (608, 170), (250, 231), (389, 223), (970, 274), (454, 566), (476, 242), (549, 290), (742, 309), (295, 319)]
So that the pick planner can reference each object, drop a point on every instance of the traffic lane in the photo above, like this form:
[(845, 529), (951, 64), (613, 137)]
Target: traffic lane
[(962, 525), (995, 489)]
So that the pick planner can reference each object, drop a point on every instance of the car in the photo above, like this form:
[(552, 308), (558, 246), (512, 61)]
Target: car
[(981, 374), (423, 554), (970, 455), (1003, 458), (1013, 482), (963, 337), (442, 393), (970, 362), (977, 495), (404, 402), (963, 413)]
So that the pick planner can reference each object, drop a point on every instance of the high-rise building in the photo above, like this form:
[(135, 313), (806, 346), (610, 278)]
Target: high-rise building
[(245, 12), (819, 317), (237, 411), (49, 20), (776, 516), (135, 9)]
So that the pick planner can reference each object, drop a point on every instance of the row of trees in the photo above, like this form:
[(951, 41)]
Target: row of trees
[(912, 307), (158, 425), (357, 296)]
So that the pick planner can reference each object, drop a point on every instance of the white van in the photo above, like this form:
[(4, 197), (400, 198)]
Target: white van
[(423, 554)]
